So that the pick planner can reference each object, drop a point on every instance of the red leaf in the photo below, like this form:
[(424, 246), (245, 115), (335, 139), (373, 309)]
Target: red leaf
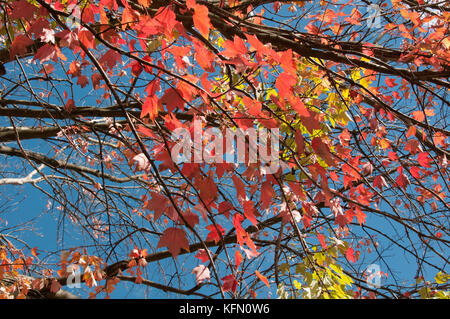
[(341, 220), (203, 57), (322, 242), (284, 84), (253, 106), (360, 216), (412, 146), (390, 82), (234, 48), (240, 187), (418, 116), (174, 239), (423, 159), (224, 208), (172, 98), (70, 104), (415, 172), (322, 149), (201, 20), (110, 59), (229, 283), (19, 45), (249, 211), (202, 255), (267, 193), (214, 234), (300, 143), (439, 138), (86, 38), (299, 107), (150, 107), (241, 234), (22, 9), (83, 81), (350, 254), (191, 218), (46, 53), (402, 180)]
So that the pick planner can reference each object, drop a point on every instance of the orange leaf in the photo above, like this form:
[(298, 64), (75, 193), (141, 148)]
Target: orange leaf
[(411, 131), (201, 20), (263, 279)]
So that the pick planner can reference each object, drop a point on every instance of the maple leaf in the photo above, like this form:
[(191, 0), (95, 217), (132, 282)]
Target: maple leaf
[(439, 138), (173, 99), (234, 48), (413, 146), (202, 255), (229, 283), (402, 180), (423, 159), (74, 69), (20, 45), (110, 59), (46, 53), (390, 82), (267, 193), (86, 38), (249, 211), (69, 106), (350, 254), (253, 106), (284, 84), (215, 235), (82, 81), (224, 208), (341, 220), (299, 107), (360, 216), (240, 187), (67, 39), (322, 149), (128, 16), (22, 9), (201, 20), (202, 273), (300, 143), (415, 172), (322, 242), (150, 107), (191, 218), (175, 240), (110, 4)]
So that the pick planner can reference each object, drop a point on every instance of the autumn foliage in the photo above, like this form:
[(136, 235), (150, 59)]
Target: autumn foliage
[(92, 92)]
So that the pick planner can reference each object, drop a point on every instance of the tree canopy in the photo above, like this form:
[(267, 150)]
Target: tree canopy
[(350, 201)]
